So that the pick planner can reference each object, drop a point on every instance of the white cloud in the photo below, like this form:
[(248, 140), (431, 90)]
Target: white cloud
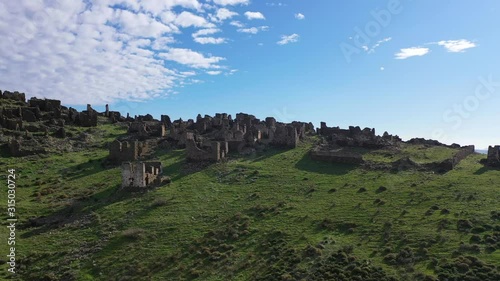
[(140, 24), (411, 52), (380, 42), (237, 24), (231, 2), (214, 72), (457, 46), (279, 4), (254, 16), (157, 6), (209, 40), (191, 58), (101, 54), (253, 30), (299, 16), (207, 31), (186, 19), (223, 14), (198, 36), (286, 39), (382, 68)]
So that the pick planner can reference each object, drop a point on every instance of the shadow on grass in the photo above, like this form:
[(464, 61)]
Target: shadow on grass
[(77, 210), (310, 165), (485, 169), (92, 166), (258, 156)]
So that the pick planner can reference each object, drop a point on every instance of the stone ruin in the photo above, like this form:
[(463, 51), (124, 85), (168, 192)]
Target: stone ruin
[(129, 150), (208, 138), (141, 174), (357, 137), (242, 134), (337, 143), (30, 123), (493, 158), (340, 146), (205, 150)]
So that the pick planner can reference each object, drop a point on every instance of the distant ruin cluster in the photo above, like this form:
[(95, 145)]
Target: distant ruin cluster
[(208, 138), (42, 116), (29, 124), (339, 146), (336, 139)]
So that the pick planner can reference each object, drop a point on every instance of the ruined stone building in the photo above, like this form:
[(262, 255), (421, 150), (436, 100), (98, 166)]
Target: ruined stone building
[(145, 129), (141, 174), (357, 137), (205, 150), (238, 135), (129, 150), (493, 159)]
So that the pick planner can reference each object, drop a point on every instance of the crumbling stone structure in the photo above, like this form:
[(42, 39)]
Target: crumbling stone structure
[(147, 129), (339, 155), (141, 174), (493, 158), (123, 151), (13, 96), (131, 150), (205, 151), (357, 137), (88, 118)]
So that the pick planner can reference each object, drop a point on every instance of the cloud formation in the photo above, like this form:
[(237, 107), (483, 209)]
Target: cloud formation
[(103, 51), (254, 16), (299, 16), (253, 30), (457, 46), (371, 50), (287, 39), (231, 2), (411, 52)]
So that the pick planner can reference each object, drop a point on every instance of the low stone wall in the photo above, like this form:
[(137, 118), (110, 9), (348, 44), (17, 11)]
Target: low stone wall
[(336, 156)]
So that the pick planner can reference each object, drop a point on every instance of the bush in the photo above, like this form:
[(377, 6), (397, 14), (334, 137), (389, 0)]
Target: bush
[(464, 225)]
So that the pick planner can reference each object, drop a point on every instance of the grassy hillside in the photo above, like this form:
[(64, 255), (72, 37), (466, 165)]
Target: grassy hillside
[(277, 215)]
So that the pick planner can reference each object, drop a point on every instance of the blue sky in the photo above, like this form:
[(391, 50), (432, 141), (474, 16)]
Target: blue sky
[(413, 68)]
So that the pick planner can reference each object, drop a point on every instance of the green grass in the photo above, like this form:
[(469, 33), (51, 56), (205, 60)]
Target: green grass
[(243, 219), (418, 153)]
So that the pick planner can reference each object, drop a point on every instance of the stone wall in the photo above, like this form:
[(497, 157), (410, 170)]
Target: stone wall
[(123, 151), (141, 174), (493, 159), (462, 154), (208, 151), (336, 156)]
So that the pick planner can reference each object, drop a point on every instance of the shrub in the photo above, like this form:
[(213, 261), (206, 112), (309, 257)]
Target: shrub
[(445, 211), (475, 239), (159, 202), (464, 225)]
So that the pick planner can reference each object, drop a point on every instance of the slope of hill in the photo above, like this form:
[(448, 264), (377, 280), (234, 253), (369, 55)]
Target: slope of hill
[(273, 215)]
